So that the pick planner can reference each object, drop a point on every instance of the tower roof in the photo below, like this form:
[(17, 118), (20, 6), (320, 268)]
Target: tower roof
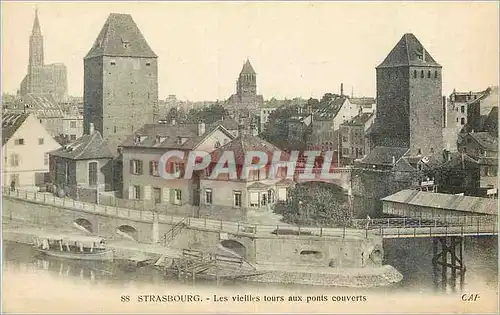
[(36, 30), (120, 37), (408, 52), (247, 68)]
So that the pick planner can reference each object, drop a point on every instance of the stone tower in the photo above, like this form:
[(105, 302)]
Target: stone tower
[(120, 81), (409, 99), (246, 86)]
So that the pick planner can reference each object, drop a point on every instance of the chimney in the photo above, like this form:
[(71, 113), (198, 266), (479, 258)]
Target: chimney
[(341, 89), (173, 122), (255, 131), (201, 128), (92, 129)]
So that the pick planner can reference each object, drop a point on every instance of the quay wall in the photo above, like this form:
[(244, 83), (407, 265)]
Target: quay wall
[(351, 251)]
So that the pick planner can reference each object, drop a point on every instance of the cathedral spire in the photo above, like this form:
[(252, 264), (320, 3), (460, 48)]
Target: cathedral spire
[(36, 25)]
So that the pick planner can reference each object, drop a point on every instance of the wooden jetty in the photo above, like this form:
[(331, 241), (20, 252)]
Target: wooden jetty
[(195, 263)]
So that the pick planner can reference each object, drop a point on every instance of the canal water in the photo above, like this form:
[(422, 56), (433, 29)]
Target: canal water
[(412, 257)]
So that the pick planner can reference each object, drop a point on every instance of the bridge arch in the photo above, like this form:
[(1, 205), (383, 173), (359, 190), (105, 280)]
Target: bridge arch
[(235, 246), (84, 224), (128, 231)]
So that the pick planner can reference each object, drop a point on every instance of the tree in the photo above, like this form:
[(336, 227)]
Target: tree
[(178, 114), (276, 129), (315, 204), (208, 115)]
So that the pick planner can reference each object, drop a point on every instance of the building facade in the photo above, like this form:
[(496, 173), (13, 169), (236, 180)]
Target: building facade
[(42, 78), (120, 81), (25, 148), (142, 151), (353, 136), (83, 168)]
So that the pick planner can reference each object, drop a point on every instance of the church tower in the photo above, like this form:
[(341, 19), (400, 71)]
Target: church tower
[(409, 99), (120, 81), (246, 86)]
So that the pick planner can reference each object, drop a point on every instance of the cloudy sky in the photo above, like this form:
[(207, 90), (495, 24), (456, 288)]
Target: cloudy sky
[(298, 49)]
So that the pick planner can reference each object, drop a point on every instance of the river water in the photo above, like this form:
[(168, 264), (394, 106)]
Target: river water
[(412, 257)]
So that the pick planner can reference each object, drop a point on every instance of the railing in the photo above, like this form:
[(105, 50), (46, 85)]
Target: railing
[(174, 231), (361, 228)]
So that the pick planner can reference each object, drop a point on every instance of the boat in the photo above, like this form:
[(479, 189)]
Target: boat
[(80, 247)]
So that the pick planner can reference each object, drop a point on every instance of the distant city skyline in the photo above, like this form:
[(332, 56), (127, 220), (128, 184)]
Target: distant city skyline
[(297, 49)]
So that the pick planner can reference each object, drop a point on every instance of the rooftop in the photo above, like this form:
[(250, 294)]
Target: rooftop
[(408, 52), (485, 140), (120, 37), (85, 148), (10, 124), (445, 201), (384, 155)]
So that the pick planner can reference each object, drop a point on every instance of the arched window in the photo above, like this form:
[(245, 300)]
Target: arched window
[(462, 121), (422, 73), (92, 173), (415, 74), (435, 74), (429, 74)]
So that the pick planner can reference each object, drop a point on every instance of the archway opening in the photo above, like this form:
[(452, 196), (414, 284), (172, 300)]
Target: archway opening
[(311, 254), (128, 232), (84, 225), (236, 247)]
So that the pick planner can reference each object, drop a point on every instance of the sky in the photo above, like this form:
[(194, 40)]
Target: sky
[(298, 49)]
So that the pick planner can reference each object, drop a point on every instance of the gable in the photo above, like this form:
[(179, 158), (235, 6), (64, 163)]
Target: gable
[(218, 135)]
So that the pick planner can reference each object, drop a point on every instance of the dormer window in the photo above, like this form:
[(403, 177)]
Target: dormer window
[(126, 44)]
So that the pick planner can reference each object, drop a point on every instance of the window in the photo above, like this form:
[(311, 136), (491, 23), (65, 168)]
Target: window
[(345, 138), (72, 137), (178, 167), (114, 129), (422, 73), (208, 196), (148, 63), (435, 74), (254, 199), (92, 173), (429, 74), (177, 196), (157, 195), (419, 151), (14, 160), (462, 109), (462, 121), (19, 141), (126, 44), (14, 180), (136, 167), (46, 159), (237, 198), (113, 62), (415, 73), (136, 192), (40, 141), (264, 199), (217, 144), (457, 119), (72, 124), (153, 168)]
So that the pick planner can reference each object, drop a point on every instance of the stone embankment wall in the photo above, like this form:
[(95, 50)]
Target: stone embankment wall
[(354, 250)]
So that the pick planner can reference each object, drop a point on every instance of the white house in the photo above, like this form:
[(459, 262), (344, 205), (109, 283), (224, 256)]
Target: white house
[(25, 147)]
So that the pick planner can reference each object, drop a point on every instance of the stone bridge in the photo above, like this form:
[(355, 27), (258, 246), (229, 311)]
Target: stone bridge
[(322, 247)]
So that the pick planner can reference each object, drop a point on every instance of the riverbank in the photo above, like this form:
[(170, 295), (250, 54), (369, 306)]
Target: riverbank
[(268, 273)]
